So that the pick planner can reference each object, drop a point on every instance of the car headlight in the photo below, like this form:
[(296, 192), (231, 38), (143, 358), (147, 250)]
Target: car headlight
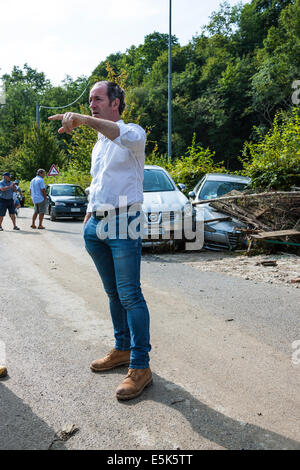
[(208, 228), (188, 209), (59, 204)]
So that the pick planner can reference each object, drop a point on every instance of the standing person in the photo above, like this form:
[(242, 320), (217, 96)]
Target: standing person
[(7, 188), (117, 171), (16, 199), (19, 192), (39, 197)]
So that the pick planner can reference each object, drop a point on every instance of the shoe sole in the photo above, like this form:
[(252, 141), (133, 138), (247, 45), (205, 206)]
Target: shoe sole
[(109, 368), (129, 397)]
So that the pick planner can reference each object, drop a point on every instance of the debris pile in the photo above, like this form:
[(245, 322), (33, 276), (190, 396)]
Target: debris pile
[(272, 211), (269, 215)]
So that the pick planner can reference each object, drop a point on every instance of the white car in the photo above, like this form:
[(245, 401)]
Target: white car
[(168, 214)]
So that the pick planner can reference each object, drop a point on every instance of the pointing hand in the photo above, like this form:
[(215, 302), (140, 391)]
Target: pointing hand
[(69, 121)]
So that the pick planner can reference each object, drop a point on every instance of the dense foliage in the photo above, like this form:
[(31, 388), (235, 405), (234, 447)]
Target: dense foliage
[(274, 161), (189, 168), (232, 84)]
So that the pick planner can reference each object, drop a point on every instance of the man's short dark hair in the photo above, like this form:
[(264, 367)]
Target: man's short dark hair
[(40, 171), (114, 91)]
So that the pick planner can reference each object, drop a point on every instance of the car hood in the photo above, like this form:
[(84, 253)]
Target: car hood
[(206, 212), (164, 201), (69, 199)]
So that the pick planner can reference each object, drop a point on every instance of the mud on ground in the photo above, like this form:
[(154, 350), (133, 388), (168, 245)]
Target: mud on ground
[(238, 264)]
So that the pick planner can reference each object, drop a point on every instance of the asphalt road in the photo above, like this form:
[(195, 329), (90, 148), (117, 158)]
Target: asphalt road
[(221, 354)]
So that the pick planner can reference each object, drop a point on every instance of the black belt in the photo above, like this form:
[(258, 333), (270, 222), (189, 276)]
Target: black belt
[(101, 214)]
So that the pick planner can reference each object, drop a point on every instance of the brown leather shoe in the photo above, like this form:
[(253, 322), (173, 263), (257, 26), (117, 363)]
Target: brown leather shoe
[(3, 371), (134, 383), (113, 359)]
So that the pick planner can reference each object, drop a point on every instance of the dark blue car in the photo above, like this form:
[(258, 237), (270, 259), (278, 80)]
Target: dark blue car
[(66, 200)]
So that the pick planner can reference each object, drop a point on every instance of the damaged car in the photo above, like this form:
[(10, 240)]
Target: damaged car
[(221, 232)]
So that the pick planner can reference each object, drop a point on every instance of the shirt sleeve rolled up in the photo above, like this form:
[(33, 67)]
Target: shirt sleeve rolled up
[(132, 137)]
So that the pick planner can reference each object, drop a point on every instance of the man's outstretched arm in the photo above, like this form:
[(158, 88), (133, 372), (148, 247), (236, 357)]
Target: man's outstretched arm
[(70, 121)]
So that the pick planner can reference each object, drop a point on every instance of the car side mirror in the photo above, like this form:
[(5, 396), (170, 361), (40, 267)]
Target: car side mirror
[(182, 187), (192, 195)]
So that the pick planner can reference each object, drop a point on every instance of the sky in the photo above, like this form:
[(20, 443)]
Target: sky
[(64, 37)]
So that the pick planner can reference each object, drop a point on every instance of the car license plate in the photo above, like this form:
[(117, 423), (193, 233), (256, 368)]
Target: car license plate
[(75, 209), (154, 231)]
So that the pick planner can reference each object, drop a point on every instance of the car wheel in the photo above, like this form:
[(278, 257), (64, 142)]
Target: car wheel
[(179, 245), (52, 217)]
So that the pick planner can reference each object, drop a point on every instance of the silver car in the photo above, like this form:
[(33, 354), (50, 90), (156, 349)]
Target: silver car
[(223, 233)]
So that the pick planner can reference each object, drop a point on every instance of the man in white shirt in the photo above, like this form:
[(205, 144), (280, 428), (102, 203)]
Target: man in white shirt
[(117, 186)]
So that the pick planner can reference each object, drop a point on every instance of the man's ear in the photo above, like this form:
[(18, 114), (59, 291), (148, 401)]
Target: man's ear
[(116, 103)]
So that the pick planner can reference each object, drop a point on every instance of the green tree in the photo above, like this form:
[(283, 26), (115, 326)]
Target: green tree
[(256, 18), (274, 161), (81, 145), (39, 150), (24, 89)]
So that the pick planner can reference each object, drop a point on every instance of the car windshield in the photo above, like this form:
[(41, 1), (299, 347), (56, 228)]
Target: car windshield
[(156, 180), (67, 190), (213, 189)]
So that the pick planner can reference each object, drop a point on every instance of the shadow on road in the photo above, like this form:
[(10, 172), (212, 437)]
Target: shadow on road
[(211, 424), (62, 231), (20, 428)]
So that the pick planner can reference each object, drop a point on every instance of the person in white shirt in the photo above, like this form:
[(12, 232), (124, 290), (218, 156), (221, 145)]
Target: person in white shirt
[(117, 186)]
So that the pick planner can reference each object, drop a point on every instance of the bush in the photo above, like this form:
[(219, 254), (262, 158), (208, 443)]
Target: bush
[(189, 168), (71, 176), (8, 163), (25, 187), (274, 162)]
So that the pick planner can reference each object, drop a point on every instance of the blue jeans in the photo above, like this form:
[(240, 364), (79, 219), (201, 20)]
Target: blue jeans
[(118, 262)]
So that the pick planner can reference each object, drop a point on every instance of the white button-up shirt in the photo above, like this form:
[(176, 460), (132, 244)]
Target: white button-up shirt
[(118, 169)]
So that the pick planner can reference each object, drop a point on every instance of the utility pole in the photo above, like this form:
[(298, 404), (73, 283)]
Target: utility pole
[(2, 94), (37, 111), (170, 85)]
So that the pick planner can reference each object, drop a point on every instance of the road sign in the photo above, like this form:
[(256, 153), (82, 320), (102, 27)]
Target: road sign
[(53, 171)]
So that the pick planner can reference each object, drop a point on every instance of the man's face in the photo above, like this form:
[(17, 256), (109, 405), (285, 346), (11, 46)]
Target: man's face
[(99, 103), (7, 178)]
